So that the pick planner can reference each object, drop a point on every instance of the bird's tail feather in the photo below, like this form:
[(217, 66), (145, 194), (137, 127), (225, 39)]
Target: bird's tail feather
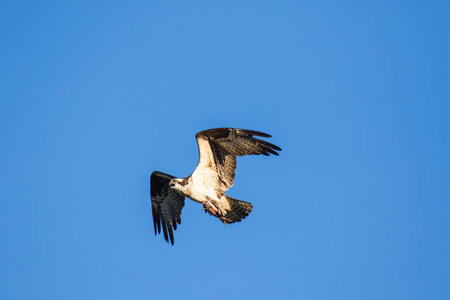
[(239, 210)]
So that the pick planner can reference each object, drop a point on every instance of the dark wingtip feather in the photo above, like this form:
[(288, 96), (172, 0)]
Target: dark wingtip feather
[(271, 151), (156, 218), (154, 221), (171, 234), (276, 147), (254, 132), (164, 227), (270, 145), (154, 226)]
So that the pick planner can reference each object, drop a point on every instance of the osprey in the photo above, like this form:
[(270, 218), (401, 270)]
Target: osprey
[(208, 183)]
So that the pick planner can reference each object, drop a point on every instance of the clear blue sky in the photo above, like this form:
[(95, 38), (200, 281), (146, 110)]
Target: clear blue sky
[(95, 95)]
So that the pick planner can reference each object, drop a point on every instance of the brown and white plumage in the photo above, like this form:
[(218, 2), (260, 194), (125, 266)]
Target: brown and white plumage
[(219, 147), (214, 175)]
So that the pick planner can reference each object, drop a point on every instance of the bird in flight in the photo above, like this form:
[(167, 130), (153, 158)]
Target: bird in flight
[(208, 183)]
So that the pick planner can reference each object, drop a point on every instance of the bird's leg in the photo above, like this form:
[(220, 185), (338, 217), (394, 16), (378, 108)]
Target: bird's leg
[(207, 206), (225, 220)]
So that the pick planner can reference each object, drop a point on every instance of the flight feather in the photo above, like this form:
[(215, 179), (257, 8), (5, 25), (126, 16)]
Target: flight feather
[(166, 205)]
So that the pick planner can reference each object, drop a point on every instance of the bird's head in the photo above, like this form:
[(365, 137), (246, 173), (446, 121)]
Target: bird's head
[(177, 183)]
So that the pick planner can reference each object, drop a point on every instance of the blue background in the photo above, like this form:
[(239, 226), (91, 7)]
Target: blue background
[(94, 96)]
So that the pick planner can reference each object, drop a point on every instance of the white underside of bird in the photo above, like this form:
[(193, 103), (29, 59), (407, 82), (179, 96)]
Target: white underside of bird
[(201, 187)]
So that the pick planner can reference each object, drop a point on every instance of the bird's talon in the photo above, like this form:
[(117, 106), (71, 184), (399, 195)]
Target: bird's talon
[(225, 220)]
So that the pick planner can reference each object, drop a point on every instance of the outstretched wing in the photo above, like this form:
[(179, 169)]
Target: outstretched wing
[(219, 147), (167, 204)]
